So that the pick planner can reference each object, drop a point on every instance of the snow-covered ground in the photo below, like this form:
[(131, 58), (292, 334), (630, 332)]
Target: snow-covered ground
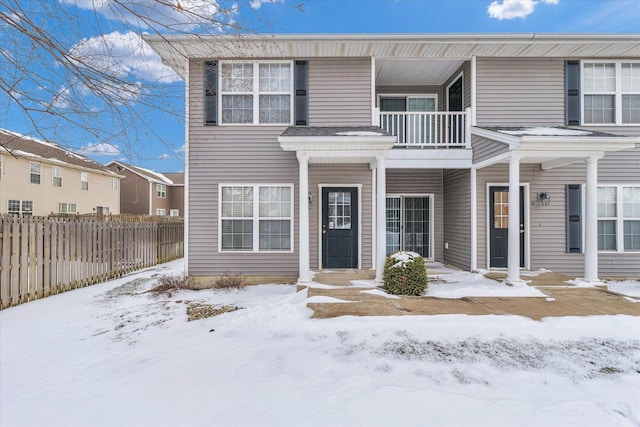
[(111, 355)]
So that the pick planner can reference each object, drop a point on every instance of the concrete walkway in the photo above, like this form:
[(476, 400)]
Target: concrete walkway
[(561, 299)]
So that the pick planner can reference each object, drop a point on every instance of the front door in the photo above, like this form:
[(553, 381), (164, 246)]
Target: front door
[(339, 227), (499, 227)]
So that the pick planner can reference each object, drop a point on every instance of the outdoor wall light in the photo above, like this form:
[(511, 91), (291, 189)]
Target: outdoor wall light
[(310, 198), (545, 198)]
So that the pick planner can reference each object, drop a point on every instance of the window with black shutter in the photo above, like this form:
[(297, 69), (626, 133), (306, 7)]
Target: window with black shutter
[(574, 218), (211, 92)]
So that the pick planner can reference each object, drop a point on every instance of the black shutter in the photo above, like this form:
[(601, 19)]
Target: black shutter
[(572, 93), (574, 218), (301, 88), (211, 92)]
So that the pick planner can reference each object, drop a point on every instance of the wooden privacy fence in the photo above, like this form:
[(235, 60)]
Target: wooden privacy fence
[(43, 256)]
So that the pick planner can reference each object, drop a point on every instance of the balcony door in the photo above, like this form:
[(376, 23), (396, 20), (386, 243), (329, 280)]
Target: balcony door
[(409, 128)]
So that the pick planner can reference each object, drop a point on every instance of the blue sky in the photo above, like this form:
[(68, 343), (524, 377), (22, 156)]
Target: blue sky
[(157, 96)]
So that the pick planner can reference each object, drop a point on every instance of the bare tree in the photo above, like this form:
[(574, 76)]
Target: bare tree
[(58, 78)]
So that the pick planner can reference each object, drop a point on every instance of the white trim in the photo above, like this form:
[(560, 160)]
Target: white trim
[(527, 224), (320, 206), (492, 160), (374, 229), (431, 197), (150, 198), (473, 92), (256, 218), (408, 96), (374, 110), (619, 218), (617, 93), (185, 209), (474, 219), (459, 76), (255, 92)]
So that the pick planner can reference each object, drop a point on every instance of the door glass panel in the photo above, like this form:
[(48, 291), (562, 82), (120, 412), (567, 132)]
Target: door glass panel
[(416, 225), (339, 211), (393, 225), (501, 209)]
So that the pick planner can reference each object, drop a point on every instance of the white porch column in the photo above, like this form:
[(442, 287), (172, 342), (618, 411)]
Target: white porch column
[(381, 214), (591, 222), (474, 221), (513, 241), (303, 217)]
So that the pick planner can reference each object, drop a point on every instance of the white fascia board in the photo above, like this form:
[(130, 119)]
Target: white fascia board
[(428, 163), (576, 144), (336, 143)]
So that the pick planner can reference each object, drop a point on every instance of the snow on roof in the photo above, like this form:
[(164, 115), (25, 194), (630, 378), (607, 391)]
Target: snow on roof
[(157, 175), (147, 174), (360, 133), (26, 146), (545, 131)]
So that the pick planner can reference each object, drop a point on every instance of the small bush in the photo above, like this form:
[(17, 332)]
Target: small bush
[(230, 281), (405, 274), (170, 283)]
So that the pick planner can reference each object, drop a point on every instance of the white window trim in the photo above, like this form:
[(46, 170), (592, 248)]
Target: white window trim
[(114, 183), (20, 211), (39, 172), (459, 76), (53, 176), (431, 197), (256, 218), (256, 93), (161, 212), (617, 94), (84, 175), (164, 186), (619, 219), (176, 211)]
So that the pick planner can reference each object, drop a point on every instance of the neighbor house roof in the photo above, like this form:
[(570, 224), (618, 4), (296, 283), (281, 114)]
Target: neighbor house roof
[(152, 176), (175, 48), (38, 150)]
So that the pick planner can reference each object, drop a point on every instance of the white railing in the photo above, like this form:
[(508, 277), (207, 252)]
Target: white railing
[(434, 129)]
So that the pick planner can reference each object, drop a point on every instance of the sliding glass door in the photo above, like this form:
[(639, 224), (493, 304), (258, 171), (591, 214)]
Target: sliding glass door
[(409, 224)]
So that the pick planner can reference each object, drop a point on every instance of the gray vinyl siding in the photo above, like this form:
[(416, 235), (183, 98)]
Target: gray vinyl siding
[(457, 217), (427, 181), (547, 224), (340, 92), (413, 90), (340, 175), (516, 92), (484, 148), (620, 167), (233, 155)]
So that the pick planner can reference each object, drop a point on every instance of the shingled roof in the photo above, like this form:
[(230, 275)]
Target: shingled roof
[(35, 149), (170, 178)]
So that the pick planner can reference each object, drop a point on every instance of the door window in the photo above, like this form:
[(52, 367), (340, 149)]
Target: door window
[(339, 210)]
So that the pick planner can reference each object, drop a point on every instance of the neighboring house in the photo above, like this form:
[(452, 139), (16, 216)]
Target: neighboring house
[(145, 192), (515, 151), (40, 177)]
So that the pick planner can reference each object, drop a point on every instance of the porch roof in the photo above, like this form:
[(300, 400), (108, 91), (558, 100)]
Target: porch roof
[(552, 146), (349, 144)]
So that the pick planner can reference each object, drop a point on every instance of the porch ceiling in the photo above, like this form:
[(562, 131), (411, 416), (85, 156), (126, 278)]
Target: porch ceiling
[(414, 72)]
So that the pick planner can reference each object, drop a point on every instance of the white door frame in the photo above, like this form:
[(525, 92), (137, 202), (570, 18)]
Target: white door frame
[(431, 197), (527, 227)]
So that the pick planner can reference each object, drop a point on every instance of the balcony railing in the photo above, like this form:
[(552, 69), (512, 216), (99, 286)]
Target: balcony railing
[(428, 130)]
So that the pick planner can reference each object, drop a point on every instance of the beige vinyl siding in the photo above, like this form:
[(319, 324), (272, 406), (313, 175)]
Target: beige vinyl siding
[(457, 217), (427, 181), (484, 148), (548, 223), (515, 92), (340, 92), (232, 155), (340, 175)]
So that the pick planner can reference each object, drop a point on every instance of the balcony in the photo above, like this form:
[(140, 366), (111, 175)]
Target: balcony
[(423, 130)]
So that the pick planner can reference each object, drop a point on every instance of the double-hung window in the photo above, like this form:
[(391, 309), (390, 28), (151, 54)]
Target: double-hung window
[(256, 92), (35, 169), (84, 181), (256, 218), (66, 208), (113, 183), (56, 173), (20, 207), (161, 191), (619, 218), (611, 92)]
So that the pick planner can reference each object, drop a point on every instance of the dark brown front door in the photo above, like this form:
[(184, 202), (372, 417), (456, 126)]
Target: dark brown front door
[(339, 227), (499, 227)]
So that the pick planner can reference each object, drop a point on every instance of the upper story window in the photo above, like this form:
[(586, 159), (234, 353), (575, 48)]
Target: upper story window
[(84, 181), (56, 173), (113, 183), (35, 170), (161, 191), (611, 92), (256, 93)]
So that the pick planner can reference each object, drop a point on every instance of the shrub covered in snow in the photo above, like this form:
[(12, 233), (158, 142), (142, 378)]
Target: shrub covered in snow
[(405, 273)]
